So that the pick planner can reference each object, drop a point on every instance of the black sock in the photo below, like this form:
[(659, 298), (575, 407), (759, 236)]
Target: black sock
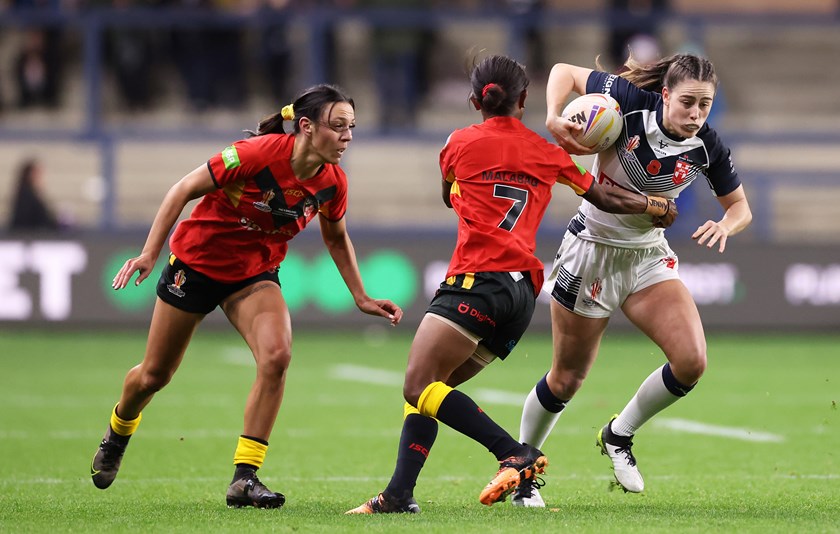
[(242, 471), (459, 412), (416, 440)]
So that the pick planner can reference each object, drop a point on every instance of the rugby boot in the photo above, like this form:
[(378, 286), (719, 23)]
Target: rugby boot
[(384, 504), (620, 451), (106, 461), (249, 491), (513, 471)]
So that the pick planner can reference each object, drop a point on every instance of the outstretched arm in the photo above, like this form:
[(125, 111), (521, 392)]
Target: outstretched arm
[(343, 254), (192, 186), (616, 199), (737, 215)]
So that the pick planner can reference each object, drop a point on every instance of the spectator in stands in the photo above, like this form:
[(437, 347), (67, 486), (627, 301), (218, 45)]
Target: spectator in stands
[(400, 53), (38, 68), (30, 209), (130, 52), (635, 25), (210, 59)]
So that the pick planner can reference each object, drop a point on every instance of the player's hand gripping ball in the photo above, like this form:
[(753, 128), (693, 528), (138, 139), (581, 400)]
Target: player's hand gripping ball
[(600, 118)]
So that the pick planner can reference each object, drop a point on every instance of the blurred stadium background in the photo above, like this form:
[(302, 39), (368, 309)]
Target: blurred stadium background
[(118, 100)]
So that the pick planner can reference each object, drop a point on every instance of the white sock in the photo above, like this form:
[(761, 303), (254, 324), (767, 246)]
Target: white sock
[(537, 422), (651, 398)]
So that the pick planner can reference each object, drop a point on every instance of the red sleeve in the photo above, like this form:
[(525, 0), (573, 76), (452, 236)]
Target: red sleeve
[(447, 158), (572, 174), (336, 208), (241, 160)]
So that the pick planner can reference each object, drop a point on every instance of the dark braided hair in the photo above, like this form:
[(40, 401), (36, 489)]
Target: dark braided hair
[(497, 82)]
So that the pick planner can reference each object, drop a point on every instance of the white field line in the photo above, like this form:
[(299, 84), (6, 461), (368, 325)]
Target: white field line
[(693, 427), (366, 375), (372, 375)]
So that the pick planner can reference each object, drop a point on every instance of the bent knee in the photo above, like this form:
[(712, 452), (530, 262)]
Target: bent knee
[(412, 390), (154, 381), (564, 383), (689, 367), (274, 362)]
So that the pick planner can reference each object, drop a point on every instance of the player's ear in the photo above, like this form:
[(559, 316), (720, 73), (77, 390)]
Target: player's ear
[(522, 96), (476, 104)]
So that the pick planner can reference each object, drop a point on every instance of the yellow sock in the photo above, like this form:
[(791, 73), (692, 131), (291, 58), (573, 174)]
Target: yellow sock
[(122, 426), (432, 397), (250, 452), (409, 409)]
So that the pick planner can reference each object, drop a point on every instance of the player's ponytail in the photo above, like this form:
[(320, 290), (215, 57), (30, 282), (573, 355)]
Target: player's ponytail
[(310, 104), (497, 82), (669, 71)]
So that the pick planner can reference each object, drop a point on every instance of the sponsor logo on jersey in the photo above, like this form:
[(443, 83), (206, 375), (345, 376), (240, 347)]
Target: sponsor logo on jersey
[(262, 205), (297, 193), (175, 288), (230, 157), (653, 167), (466, 309), (248, 224)]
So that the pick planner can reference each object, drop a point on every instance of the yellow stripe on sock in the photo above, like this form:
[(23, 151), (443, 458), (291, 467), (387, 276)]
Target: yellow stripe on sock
[(249, 452), (409, 409), (124, 427), (432, 397)]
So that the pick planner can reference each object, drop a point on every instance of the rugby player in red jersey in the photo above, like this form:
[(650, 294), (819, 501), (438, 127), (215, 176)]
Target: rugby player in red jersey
[(497, 177), (256, 195)]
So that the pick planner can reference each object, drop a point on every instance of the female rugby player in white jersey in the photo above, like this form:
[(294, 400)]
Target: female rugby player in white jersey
[(609, 261)]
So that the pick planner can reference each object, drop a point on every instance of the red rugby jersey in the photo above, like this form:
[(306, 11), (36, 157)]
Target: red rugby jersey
[(502, 174), (243, 228)]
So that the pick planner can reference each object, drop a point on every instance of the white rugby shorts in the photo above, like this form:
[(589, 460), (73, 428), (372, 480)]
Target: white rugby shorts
[(593, 280)]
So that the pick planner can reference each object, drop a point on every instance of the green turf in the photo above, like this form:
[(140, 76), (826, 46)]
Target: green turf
[(334, 443)]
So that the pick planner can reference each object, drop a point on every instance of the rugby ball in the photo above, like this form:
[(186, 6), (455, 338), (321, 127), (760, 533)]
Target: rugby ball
[(600, 116)]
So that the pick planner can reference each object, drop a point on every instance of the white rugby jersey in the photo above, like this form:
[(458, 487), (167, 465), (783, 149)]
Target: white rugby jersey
[(649, 160)]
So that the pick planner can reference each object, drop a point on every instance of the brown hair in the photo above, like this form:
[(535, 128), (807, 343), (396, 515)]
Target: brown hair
[(310, 104), (669, 71)]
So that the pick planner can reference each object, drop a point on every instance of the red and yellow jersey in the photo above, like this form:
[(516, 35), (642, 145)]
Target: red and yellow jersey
[(502, 174), (243, 228)]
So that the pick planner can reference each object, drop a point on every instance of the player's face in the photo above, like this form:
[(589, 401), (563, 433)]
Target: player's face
[(334, 131), (687, 106)]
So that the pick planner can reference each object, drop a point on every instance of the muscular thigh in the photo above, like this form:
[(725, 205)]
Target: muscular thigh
[(260, 314), (667, 314)]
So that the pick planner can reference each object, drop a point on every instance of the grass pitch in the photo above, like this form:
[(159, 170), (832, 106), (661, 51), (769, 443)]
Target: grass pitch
[(754, 448)]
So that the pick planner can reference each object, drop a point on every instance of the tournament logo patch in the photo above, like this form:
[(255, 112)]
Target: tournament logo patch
[(230, 157), (669, 261), (175, 288), (595, 289), (262, 205)]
